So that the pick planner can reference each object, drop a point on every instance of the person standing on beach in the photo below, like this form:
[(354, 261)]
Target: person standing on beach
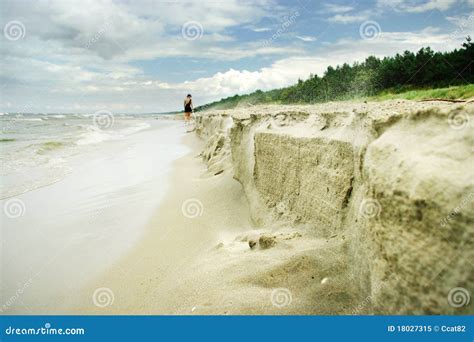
[(188, 108)]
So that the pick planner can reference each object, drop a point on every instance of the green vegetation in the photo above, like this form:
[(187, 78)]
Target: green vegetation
[(422, 75), (6, 140), (449, 93)]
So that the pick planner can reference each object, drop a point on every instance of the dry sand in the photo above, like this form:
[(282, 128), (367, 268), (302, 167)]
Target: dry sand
[(204, 264), (310, 243), (392, 179)]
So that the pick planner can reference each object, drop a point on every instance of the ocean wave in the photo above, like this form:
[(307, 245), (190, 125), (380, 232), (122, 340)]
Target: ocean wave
[(38, 156), (24, 182), (50, 146), (137, 128), (27, 119), (95, 135), (83, 116), (54, 117)]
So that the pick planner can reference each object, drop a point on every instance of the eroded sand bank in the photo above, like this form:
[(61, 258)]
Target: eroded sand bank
[(344, 208), (392, 181)]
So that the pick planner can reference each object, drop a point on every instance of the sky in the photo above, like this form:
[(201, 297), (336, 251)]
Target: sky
[(144, 56)]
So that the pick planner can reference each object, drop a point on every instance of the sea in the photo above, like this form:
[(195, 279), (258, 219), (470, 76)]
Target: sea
[(39, 149), (77, 193)]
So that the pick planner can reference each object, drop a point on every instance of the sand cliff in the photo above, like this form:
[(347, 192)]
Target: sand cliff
[(383, 193)]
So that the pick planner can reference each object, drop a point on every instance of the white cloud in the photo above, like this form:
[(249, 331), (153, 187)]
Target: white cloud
[(261, 29), (112, 82), (122, 29), (78, 54), (335, 8), (306, 38), (279, 74), (348, 18), (463, 23), (287, 71), (419, 6)]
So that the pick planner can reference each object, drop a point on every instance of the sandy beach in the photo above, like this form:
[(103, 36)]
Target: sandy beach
[(61, 235), (285, 210), (237, 170), (267, 210), (182, 229), (195, 258)]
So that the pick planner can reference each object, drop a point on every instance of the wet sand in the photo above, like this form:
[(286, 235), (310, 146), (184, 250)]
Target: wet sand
[(66, 234), (196, 259)]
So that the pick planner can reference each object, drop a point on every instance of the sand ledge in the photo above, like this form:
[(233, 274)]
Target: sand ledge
[(339, 208), (382, 175)]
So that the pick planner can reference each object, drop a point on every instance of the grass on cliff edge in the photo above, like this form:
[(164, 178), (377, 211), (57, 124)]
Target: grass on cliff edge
[(451, 93), (461, 92)]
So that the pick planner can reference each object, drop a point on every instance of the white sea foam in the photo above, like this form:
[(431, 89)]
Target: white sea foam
[(35, 155), (108, 197), (28, 119), (137, 128), (96, 135)]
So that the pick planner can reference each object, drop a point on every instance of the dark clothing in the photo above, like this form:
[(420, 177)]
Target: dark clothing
[(187, 107)]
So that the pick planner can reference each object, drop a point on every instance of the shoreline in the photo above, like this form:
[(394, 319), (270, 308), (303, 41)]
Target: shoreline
[(204, 265), (266, 214), (79, 226), (171, 240)]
